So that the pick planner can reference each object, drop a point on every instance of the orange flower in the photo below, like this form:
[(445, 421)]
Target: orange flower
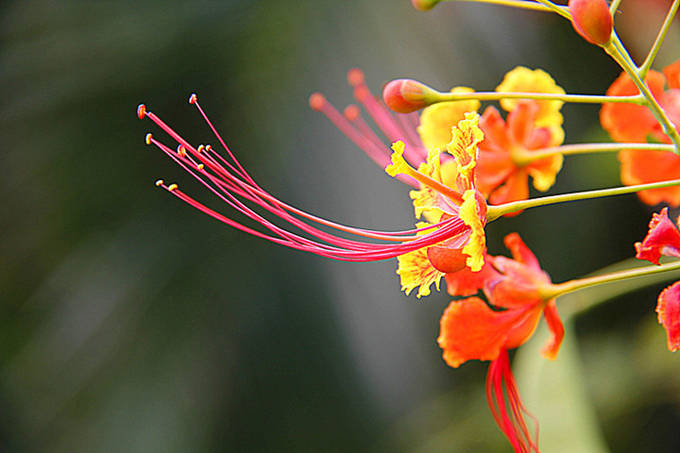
[(636, 123), (663, 238), (470, 329), (505, 154)]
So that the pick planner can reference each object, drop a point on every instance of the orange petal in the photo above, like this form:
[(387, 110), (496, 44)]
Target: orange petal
[(556, 328), (516, 188), (470, 330), (668, 310), (645, 166), (672, 73), (521, 121), (630, 122), (663, 238), (467, 283)]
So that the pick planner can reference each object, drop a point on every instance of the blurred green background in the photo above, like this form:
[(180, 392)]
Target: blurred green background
[(133, 323)]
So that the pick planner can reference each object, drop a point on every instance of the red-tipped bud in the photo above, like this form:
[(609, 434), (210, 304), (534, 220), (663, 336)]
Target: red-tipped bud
[(193, 98), (352, 112), (592, 20), (424, 5), (355, 76), (405, 95), (141, 111), (316, 101)]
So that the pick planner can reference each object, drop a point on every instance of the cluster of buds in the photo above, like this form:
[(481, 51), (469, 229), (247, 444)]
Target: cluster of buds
[(467, 167)]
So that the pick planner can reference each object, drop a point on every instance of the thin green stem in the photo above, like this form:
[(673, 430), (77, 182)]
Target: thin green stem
[(511, 3), (495, 211), (589, 148), (612, 48), (437, 96), (561, 10), (659, 40), (582, 283), (614, 6)]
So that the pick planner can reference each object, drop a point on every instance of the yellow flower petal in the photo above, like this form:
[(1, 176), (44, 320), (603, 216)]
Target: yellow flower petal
[(437, 120), (426, 200), (469, 213), (416, 271), (524, 80), (466, 136)]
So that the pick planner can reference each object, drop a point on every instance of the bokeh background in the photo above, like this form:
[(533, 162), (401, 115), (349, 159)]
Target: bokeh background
[(132, 323)]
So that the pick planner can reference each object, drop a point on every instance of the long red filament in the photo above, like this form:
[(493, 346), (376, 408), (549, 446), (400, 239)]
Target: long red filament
[(500, 384), (231, 183)]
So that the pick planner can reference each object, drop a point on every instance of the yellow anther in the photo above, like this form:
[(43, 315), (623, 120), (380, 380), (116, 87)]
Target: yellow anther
[(147, 139), (200, 148), (193, 98), (172, 187), (181, 151), (208, 148), (200, 166), (159, 183)]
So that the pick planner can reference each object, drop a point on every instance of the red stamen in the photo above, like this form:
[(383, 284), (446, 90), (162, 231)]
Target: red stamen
[(229, 184), (500, 383)]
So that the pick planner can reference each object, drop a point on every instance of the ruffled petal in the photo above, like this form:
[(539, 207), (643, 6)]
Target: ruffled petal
[(644, 166), (470, 330), (663, 238), (437, 120), (416, 271), (516, 188), (544, 171), (525, 80), (521, 121), (466, 136), (472, 212), (668, 311)]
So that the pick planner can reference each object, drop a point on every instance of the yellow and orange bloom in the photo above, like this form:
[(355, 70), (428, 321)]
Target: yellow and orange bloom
[(663, 239), (636, 123), (471, 329), (505, 162)]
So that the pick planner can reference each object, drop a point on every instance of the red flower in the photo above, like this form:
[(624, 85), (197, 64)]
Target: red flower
[(471, 329), (636, 123), (663, 238)]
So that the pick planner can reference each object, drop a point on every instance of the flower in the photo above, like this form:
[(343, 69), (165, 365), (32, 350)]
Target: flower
[(438, 201), (518, 292), (636, 123), (505, 162), (459, 230), (663, 238)]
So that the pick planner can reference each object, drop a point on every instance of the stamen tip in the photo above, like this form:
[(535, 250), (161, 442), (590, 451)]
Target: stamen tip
[(181, 150), (317, 101), (200, 148), (141, 111), (172, 187), (352, 112), (193, 98), (200, 166), (361, 92), (208, 148), (355, 77), (159, 182), (148, 138), (424, 5)]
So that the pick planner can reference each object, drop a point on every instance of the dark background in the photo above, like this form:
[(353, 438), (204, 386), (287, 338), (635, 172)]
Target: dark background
[(130, 322)]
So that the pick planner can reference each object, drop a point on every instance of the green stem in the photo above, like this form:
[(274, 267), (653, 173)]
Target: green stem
[(528, 157), (659, 40), (582, 283), (495, 211), (613, 48), (512, 3), (562, 11), (614, 6), (434, 97)]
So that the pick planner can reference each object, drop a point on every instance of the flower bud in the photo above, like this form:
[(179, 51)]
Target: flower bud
[(405, 95), (424, 5), (592, 20)]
